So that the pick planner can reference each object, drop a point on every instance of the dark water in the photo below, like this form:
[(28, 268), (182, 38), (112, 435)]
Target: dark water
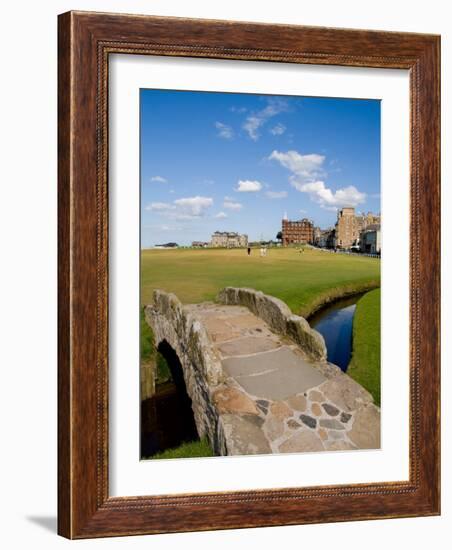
[(167, 417), (335, 324)]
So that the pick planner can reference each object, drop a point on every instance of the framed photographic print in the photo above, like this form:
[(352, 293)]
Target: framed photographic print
[(248, 275)]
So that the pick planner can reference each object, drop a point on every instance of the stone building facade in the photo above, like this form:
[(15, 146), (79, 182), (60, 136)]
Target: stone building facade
[(349, 226), (370, 239), (366, 220), (347, 231), (316, 235), (227, 239), (325, 238), (297, 232)]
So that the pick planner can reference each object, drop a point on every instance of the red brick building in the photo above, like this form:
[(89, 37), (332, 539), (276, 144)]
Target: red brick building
[(297, 232)]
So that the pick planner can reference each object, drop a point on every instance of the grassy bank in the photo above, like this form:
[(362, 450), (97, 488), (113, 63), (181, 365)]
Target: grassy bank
[(149, 353), (193, 449), (303, 280), (365, 364)]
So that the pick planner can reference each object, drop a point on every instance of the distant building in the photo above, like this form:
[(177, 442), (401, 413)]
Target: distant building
[(199, 244), (316, 234), (330, 240), (297, 232), (325, 238), (227, 239), (349, 226), (167, 245), (365, 220), (370, 239), (347, 232)]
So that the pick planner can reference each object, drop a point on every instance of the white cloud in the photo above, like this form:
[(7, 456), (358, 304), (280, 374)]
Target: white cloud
[(278, 130), (231, 205), (163, 227), (319, 193), (160, 206), (255, 121), (193, 207), (306, 166), (183, 209), (248, 186), (159, 179), (224, 131), (306, 173), (251, 125), (276, 194), (221, 215), (238, 109)]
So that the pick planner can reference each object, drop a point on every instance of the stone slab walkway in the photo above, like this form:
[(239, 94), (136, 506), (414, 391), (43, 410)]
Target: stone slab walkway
[(275, 374), (276, 400)]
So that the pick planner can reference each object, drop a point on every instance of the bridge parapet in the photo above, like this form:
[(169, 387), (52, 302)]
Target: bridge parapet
[(279, 317), (191, 335)]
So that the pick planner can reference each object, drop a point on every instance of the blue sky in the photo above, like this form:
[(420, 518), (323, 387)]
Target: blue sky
[(239, 162)]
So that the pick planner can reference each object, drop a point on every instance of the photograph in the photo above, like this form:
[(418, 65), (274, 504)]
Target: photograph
[(228, 229), (261, 251)]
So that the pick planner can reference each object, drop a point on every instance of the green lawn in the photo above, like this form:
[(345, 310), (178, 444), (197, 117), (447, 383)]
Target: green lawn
[(365, 364), (193, 449), (302, 280)]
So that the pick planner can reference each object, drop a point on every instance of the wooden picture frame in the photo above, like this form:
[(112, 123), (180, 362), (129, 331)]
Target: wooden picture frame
[(85, 42)]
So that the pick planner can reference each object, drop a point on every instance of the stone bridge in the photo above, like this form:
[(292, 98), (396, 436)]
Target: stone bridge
[(258, 377)]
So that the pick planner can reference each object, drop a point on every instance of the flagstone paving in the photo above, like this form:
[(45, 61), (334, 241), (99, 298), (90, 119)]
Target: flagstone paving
[(274, 399)]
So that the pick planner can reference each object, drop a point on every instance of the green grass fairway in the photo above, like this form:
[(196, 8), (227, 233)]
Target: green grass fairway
[(303, 280), (365, 364), (193, 449)]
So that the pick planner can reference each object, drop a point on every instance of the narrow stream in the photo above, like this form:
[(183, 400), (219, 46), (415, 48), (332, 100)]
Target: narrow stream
[(167, 417), (335, 324)]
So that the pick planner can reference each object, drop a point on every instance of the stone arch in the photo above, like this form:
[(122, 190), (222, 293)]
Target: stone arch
[(167, 416), (201, 365), (185, 408)]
